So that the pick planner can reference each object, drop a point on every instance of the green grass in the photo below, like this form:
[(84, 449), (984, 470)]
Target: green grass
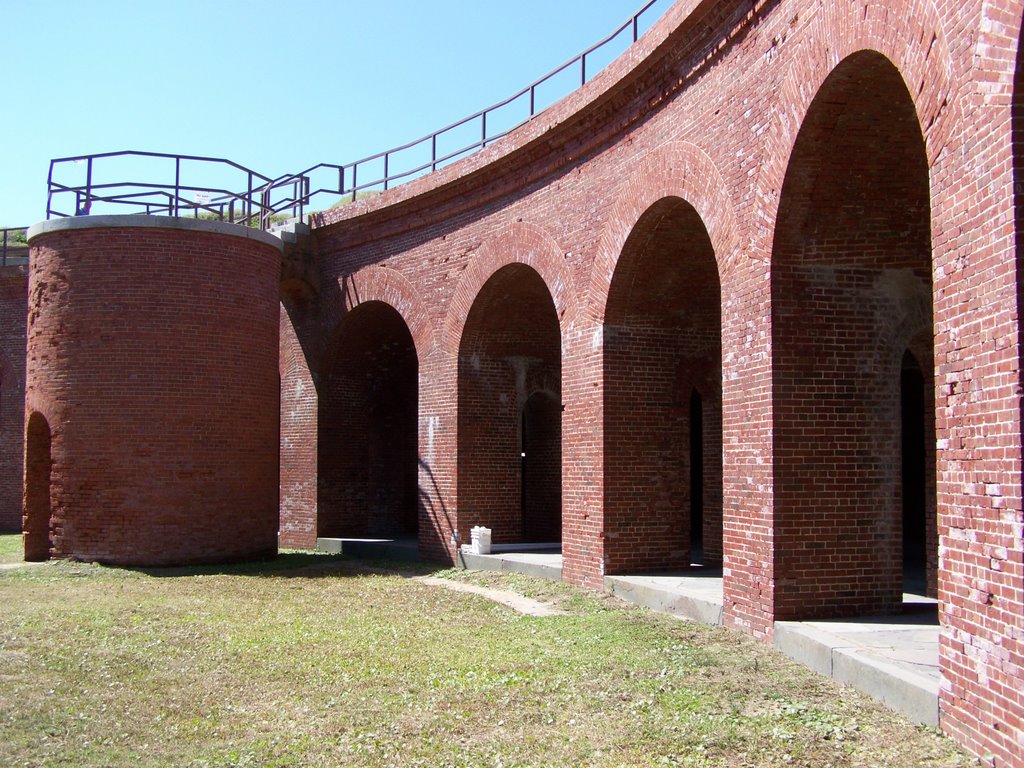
[(317, 661), (11, 550)]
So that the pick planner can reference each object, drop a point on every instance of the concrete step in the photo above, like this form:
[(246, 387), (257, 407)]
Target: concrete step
[(892, 660), (370, 549), (695, 598), (543, 565)]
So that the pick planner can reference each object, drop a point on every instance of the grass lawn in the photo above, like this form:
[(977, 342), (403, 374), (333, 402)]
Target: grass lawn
[(11, 550), (314, 661)]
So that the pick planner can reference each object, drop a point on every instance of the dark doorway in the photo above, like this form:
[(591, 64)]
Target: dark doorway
[(696, 478), (912, 420), (38, 466), (541, 469)]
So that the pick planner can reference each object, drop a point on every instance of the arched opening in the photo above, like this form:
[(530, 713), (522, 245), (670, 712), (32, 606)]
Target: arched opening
[(38, 526), (662, 345), (851, 291), (367, 441), (509, 443)]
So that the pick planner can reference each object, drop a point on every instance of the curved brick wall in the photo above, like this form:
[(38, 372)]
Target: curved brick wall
[(849, 166), (13, 280), (152, 361)]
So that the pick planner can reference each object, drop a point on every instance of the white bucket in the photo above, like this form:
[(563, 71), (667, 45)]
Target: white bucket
[(480, 540)]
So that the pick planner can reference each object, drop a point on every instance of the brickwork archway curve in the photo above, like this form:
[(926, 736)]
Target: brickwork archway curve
[(916, 44), (375, 283), (521, 243), (676, 169)]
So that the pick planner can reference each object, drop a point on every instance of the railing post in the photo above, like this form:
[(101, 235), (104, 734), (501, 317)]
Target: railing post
[(49, 191), (533, 100), (636, 27), (483, 129), (433, 152), (387, 156), (177, 185), (88, 187), (583, 69)]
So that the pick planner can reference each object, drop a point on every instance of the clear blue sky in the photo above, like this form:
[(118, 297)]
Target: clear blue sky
[(274, 86)]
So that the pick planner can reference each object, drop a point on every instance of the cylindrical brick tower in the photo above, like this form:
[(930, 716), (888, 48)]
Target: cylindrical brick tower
[(151, 397)]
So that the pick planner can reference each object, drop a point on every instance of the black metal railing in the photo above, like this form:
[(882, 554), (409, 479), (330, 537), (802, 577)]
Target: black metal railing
[(260, 201), (176, 185), (13, 246)]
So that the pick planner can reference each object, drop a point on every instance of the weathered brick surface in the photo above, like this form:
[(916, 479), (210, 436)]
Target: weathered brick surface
[(13, 290), (152, 366), (847, 169), (804, 212)]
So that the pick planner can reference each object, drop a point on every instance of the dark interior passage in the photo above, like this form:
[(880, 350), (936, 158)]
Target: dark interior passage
[(367, 447), (913, 461), (697, 470), (510, 442), (541, 483), (662, 342)]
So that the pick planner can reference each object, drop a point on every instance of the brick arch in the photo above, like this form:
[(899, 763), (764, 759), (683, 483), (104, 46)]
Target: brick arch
[(913, 40), (521, 243), (677, 169), (851, 251), (391, 287)]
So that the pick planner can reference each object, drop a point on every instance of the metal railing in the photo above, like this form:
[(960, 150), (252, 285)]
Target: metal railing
[(244, 201), (13, 246), (264, 201)]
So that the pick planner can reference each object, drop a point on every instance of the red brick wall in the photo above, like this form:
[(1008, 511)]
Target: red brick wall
[(845, 230), (13, 300), (152, 355), (298, 358), (855, 205)]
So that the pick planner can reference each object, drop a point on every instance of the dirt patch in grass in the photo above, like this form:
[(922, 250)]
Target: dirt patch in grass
[(318, 661)]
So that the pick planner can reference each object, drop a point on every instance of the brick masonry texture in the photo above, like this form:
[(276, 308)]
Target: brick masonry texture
[(13, 290), (803, 216), (152, 396)]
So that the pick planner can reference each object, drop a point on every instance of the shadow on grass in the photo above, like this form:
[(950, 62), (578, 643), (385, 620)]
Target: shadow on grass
[(303, 565)]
